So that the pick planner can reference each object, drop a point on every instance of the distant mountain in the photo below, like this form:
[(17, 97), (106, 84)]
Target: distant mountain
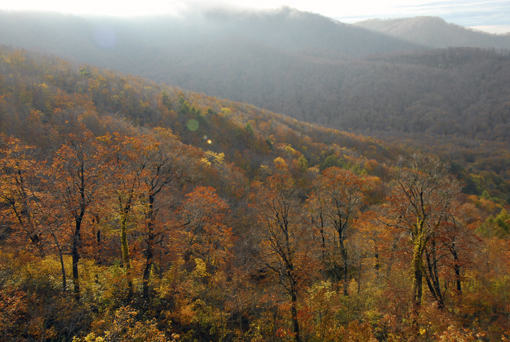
[(300, 64), (285, 29), (435, 32), (285, 60)]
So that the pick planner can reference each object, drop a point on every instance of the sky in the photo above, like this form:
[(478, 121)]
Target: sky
[(488, 15)]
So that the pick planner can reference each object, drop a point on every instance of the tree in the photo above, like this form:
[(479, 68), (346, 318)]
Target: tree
[(249, 129), (456, 243), (286, 243), (17, 187), (78, 173), (203, 229), (168, 162), (128, 158), (336, 200), (26, 197), (419, 205)]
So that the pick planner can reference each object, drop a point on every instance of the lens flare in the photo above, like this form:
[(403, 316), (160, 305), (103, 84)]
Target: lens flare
[(192, 125)]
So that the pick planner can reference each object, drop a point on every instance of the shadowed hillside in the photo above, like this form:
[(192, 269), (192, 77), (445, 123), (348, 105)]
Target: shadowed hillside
[(296, 63), (306, 66)]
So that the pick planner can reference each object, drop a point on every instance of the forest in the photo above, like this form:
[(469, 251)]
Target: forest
[(450, 100), (133, 211)]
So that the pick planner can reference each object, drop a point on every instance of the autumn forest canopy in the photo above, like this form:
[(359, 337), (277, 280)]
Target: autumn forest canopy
[(368, 201)]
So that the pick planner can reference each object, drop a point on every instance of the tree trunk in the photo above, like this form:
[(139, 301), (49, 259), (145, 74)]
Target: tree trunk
[(149, 253), (433, 276), (295, 322), (377, 264), (76, 258), (456, 268), (345, 270), (125, 254), (77, 234), (323, 237), (62, 265), (147, 271), (417, 267)]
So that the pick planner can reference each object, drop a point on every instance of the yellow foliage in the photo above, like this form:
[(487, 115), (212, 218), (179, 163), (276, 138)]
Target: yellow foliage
[(205, 161), (291, 151), (215, 158), (200, 268), (226, 111), (165, 133), (280, 164), (124, 327)]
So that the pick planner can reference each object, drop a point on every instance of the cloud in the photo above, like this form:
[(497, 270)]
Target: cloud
[(462, 12), (466, 12)]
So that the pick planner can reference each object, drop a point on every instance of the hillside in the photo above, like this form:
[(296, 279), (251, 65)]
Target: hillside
[(136, 211), (285, 29), (435, 32), (31, 83), (299, 64)]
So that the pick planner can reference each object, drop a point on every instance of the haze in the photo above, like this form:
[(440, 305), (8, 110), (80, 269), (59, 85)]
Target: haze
[(490, 16)]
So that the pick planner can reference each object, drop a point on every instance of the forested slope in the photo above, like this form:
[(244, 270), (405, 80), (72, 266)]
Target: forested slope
[(299, 64), (135, 211), (435, 32)]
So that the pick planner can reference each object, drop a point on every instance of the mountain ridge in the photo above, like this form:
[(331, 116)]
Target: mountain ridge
[(430, 98), (296, 71), (435, 32)]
